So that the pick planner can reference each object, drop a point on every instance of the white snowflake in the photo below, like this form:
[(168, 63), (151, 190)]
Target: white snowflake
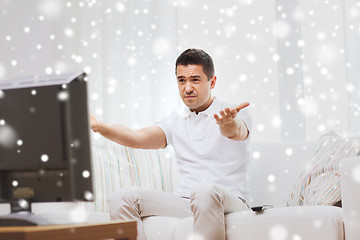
[(278, 232), (14, 63), (88, 69), (251, 58), (51, 8), (289, 151), (276, 57), (321, 128), (160, 46), (308, 106), (48, 70), (230, 29), (19, 142), (324, 71), (44, 158), (99, 111), (256, 155), (290, 71), (318, 223), (355, 173), (79, 214), (349, 87), (15, 183), (260, 127), (196, 237), (8, 136), (271, 178), (281, 29), (69, 32), (24, 204), (246, 2), (63, 96), (296, 237), (131, 61), (77, 58), (301, 43), (86, 174), (276, 121), (88, 196), (111, 89), (94, 96)]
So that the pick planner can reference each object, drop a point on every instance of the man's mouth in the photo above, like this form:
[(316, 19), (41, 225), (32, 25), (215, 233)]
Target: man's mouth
[(190, 96)]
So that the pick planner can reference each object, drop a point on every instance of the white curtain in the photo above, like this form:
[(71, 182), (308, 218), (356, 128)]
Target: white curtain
[(298, 67), (330, 34), (131, 58), (128, 49), (351, 23)]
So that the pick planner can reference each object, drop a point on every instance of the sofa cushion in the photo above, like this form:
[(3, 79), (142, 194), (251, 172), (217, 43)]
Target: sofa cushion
[(319, 182), (274, 169), (116, 166), (160, 228), (305, 223)]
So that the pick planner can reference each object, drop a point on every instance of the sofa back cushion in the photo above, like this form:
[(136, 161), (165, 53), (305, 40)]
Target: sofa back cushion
[(116, 166), (319, 181), (273, 170)]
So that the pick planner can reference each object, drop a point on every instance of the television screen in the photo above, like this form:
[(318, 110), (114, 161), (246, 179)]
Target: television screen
[(44, 139)]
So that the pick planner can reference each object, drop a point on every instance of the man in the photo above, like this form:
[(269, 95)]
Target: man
[(210, 140)]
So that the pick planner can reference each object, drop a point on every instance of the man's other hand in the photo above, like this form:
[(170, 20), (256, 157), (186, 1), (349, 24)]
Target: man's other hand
[(94, 123), (228, 115)]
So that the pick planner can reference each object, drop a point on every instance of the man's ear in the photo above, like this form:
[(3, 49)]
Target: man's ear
[(212, 82)]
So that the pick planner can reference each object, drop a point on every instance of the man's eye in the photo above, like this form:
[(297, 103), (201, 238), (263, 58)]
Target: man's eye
[(181, 80), (196, 80)]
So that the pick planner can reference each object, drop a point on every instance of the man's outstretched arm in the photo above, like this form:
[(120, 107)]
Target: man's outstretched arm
[(230, 126), (146, 138)]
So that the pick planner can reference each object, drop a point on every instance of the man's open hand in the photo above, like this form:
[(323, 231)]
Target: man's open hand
[(230, 126), (228, 115)]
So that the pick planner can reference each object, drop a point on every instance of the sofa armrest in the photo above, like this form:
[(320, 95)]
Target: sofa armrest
[(350, 194)]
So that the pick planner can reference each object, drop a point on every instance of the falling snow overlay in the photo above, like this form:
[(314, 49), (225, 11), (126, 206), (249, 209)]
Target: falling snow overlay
[(134, 63), (298, 67)]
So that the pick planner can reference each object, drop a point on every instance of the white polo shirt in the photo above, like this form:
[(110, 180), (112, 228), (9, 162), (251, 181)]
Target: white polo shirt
[(203, 154)]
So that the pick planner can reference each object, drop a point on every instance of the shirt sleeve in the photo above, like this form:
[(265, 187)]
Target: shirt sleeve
[(166, 125), (245, 115)]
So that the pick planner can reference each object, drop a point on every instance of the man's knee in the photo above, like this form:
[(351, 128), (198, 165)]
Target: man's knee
[(127, 194), (123, 198), (205, 194)]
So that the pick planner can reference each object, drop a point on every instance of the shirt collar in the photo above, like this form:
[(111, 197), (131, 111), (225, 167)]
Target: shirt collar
[(214, 107)]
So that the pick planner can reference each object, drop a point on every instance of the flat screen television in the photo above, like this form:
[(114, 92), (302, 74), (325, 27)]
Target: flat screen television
[(44, 140)]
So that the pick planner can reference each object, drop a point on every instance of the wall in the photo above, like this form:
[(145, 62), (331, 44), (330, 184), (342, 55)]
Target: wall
[(296, 62)]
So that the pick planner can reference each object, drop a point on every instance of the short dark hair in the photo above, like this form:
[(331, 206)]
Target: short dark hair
[(197, 57)]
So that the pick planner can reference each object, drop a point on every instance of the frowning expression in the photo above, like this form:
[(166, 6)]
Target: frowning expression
[(194, 87)]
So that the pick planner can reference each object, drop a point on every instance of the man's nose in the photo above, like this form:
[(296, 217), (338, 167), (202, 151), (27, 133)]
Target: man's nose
[(189, 87)]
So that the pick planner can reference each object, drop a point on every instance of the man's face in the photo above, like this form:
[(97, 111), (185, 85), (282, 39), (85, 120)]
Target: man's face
[(194, 87)]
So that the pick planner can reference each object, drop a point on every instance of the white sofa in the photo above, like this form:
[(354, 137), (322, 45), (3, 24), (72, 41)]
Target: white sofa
[(273, 170)]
